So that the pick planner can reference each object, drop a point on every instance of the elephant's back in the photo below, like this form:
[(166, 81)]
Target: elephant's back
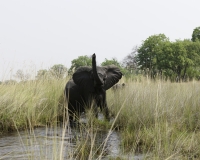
[(70, 84)]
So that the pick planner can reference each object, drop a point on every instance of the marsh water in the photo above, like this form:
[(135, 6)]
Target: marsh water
[(46, 143), (51, 143)]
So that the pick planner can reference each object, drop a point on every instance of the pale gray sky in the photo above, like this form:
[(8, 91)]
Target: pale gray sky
[(40, 33)]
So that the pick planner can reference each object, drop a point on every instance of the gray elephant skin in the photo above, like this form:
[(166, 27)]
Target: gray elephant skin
[(88, 87)]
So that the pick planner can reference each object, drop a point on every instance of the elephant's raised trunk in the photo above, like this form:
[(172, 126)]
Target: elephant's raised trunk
[(94, 68)]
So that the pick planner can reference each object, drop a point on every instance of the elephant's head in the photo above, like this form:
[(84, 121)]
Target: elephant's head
[(95, 77)]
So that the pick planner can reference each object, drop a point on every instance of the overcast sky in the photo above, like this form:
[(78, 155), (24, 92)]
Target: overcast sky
[(40, 33)]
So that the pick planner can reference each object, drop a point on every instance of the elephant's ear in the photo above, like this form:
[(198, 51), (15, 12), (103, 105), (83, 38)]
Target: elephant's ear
[(82, 77), (113, 76)]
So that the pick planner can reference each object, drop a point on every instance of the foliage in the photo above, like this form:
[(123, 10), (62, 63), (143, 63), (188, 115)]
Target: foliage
[(20, 75), (177, 60), (116, 63), (148, 54), (80, 61), (58, 71), (196, 34), (113, 61), (42, 74)]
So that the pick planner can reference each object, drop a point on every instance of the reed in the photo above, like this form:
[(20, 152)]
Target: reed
[(157, 119), (29, 104)]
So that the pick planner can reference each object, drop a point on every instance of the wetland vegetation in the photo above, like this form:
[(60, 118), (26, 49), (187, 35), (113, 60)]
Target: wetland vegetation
[(157, 119), (156, 114)]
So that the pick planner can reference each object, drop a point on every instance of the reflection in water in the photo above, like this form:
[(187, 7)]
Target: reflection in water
[(46, 143)]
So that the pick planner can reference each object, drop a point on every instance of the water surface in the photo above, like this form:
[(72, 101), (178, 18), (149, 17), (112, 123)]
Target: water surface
[(52, 143)]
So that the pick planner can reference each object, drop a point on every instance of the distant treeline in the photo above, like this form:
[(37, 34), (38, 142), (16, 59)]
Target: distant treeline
[(156, 57)]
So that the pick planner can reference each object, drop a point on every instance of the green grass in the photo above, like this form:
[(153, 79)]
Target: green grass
[(160, 120)]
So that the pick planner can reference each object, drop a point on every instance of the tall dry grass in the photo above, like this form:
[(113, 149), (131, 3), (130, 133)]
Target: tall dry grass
[(29, 104), (160, 119)]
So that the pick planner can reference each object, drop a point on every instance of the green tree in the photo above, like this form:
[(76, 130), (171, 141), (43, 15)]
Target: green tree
[(80, 61), (184, 56), (41, 74), (148, 54), (196, 34), (165, 60), (177, 60), (180, 58), (192, 64), (58, 71), (114, 61)]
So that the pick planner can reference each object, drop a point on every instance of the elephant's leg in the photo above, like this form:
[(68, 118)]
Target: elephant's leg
[(71, 120), (74, 120), (104, 108), (106, 111)]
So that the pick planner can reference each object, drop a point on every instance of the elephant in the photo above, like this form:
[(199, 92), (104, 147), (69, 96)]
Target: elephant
[(87, 89)]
